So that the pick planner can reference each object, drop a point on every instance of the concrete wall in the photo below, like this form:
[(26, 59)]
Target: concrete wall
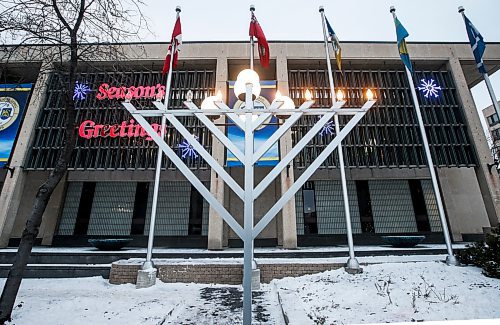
[(50, 217), (463, 201), (11, 195), (489, 183)]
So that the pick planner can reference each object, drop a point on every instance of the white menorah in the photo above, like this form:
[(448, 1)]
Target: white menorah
[(281, 107)]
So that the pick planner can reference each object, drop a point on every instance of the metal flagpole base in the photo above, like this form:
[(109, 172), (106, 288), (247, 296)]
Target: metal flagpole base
[(451, 260), (146, 278), (352, 266), (148, 265), (255, 276)]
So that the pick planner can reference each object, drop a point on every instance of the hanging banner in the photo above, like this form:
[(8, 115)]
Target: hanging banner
[(13, 100), (237, 136)]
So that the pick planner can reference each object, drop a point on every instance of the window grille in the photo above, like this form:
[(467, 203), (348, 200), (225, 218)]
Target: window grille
[(70, 209), (119, 153), (112, 209), (431, 204), (172, 216), (388, 136), (392, 206), (330, 207)]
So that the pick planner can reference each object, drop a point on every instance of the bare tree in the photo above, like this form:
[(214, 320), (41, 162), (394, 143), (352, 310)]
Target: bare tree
[(74, 31)]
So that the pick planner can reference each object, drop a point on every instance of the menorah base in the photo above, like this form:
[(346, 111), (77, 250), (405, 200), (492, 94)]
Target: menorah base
[(352, 266)]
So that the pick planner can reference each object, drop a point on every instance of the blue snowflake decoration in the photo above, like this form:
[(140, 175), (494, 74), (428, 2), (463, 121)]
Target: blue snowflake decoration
[(429, 88), (81, 90), (187, 149), (328, 129)]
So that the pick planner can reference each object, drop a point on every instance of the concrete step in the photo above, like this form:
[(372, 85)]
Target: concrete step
[(60, 270), (106, 257), (46, 262)]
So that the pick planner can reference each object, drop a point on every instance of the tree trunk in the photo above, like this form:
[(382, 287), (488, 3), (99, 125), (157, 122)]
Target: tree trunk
[(15, 276)]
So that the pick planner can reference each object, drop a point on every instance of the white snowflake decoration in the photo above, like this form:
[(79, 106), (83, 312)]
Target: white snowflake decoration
[(429, 88), (328, 129), (187, 149), (81, 90)]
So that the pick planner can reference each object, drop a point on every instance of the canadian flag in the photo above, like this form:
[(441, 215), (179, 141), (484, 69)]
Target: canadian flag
[(175, 43), (256, 31)]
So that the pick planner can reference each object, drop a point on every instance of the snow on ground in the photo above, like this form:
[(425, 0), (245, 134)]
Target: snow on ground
[(390, 292), (95, 301)]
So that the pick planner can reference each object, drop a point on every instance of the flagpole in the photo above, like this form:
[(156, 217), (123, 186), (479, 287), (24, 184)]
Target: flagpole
[(149, 263), (450, 259), (252, 9), (485, 75), (352, 263), (492, 93)]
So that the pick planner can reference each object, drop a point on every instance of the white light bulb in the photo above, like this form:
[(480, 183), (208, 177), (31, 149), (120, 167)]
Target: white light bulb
[(245, 77)]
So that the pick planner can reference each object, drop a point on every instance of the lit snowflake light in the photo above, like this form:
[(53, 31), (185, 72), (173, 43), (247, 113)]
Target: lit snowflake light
[(328, 129), (81, 90), (187, 149), (429, 88)]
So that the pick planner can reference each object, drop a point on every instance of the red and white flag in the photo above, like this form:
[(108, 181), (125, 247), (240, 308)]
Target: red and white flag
[(176, 43), (263, 47)]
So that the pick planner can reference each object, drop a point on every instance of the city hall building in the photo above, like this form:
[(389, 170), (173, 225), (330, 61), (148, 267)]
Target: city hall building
[(107, 191)]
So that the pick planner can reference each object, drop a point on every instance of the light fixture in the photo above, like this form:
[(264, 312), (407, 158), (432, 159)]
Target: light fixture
[(308, 95), (429, 88), (288, 103), (209, 104), (245, 77), (369, 94), (340, 95)]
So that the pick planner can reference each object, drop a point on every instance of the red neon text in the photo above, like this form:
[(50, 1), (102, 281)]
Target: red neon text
[(133, 92), (89, 129)]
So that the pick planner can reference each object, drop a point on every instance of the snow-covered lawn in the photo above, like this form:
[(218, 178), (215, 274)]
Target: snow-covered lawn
[(390, 292)]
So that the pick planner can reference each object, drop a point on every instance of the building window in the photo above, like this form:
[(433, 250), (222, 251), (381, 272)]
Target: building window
[(419, 206), (365, 207), (309, 209), (493, 119), (195, 212), (495, 134), (140, 208)]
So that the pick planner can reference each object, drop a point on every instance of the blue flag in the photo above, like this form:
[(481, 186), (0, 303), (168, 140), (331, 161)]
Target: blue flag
[(477, 44), (335, 43), (401, 34)]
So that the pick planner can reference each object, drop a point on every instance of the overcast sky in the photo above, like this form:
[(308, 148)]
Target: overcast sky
[(354, 20)]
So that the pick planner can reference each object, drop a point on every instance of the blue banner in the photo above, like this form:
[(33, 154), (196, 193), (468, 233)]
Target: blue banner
[(13, 100), (237, 136)]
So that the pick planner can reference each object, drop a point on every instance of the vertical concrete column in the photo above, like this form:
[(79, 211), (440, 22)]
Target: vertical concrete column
[(289, 221), (51, 214), (215, 222), (488, 182), (11, 195)]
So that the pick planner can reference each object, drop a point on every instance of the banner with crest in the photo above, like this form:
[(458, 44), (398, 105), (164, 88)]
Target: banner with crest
[(13, 100)]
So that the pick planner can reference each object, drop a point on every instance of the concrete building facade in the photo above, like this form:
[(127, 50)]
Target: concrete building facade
[(108, 188)]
